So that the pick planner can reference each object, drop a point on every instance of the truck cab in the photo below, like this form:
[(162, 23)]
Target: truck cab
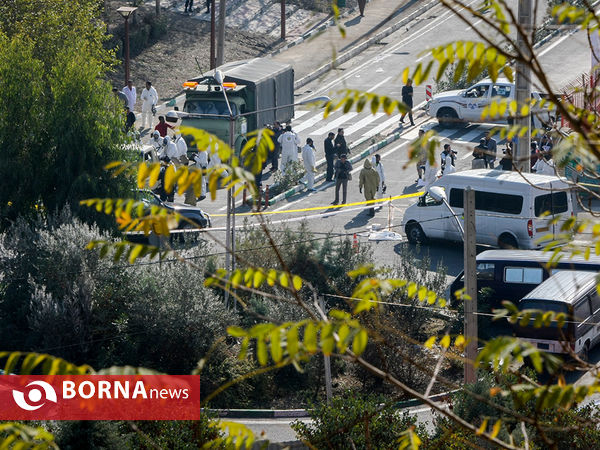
[(260, 91)]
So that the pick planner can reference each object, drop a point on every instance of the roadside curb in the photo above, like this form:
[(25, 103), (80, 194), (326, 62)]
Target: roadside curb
[(302, 413), (322, 162), (364, 45), (318, 29)]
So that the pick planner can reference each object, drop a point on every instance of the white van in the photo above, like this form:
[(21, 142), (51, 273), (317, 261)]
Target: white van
[(509, 210), (574, 294)]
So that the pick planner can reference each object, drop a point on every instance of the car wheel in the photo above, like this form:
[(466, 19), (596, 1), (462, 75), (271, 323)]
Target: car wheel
[(415, 233), (447, 117), (507, 241)]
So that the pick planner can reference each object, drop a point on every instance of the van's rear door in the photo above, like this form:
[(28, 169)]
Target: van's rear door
[(549, 205)]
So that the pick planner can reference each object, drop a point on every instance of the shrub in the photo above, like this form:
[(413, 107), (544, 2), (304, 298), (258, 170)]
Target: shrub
[(355, 421), (287, 179)]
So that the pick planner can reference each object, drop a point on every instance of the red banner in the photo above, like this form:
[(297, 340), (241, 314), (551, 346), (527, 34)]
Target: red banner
[(100, 397)]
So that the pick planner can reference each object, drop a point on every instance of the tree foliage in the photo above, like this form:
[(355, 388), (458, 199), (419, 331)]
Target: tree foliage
[(59, 122)]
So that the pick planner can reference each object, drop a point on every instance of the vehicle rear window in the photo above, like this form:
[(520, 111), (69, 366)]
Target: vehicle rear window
[(544, 305), (489, 201), (555, 203), (524, 275)]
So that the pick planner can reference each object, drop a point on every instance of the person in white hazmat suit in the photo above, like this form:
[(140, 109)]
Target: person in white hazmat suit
[(289, 142), (170, 150), (182, 147), (149, 98), (310, 163)]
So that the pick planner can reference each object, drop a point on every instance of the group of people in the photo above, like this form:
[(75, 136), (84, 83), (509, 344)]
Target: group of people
[(484, 155), (149, 98)]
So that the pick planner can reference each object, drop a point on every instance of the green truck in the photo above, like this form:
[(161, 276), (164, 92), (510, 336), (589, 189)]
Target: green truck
[(260, 91)]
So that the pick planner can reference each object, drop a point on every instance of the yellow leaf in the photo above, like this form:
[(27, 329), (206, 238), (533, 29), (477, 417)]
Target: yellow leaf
[(297, 282), (284, 280), (405, 74), (259, 277), (422, 293), (482, 428), (496, 428), (459, 342), (154, 173), (445, 342), (169, 179), (430, 342), (142, 174)]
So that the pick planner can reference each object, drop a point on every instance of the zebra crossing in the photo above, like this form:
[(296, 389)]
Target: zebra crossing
[(362, 126)]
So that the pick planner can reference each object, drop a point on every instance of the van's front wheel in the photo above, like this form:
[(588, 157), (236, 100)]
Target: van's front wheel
[(415, 233), (507, 241)]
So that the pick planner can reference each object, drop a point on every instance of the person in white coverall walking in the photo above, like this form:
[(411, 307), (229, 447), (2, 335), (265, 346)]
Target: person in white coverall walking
[(309, 160), (289, 147), (149, 98)]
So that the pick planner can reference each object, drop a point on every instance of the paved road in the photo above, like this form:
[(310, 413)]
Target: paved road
[(377, 70)]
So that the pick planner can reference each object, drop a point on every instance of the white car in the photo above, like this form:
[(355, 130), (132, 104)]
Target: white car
[(466, 105)]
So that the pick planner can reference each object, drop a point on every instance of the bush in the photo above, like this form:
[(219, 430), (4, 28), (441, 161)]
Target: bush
[(287, 179), (355, 421), (57, 297)]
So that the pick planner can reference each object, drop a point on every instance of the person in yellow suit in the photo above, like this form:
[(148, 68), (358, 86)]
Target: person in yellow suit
[(369, 181)]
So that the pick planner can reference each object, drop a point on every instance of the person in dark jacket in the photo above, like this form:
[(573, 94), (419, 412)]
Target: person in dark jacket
[(342, 174), (330, 154), (277, 131), (129, 119), (407, 99), (340, 143)]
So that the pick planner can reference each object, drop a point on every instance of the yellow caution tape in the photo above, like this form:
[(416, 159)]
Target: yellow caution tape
[(319, 208)]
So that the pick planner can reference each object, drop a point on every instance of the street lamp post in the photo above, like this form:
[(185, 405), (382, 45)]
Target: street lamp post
[(126, 12)]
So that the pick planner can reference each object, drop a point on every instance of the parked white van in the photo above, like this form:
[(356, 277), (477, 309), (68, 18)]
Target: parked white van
[(574, 294), (466, 105), (509, 210)]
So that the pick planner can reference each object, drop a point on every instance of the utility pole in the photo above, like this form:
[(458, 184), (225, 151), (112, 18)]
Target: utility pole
[(470, 319), (326, 362), (283, 20), (523, 85), (221, 33), (212, 34)]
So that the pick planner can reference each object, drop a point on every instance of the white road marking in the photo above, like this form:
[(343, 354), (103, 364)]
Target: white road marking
[(372, 88), (333, 125), (550, 47), (308, 123), (477, 22), (388, 123), (298, 114), (443, 17), (469, 136), (362, 123)]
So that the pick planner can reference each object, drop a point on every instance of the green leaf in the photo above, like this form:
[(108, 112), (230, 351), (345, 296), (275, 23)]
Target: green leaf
[(236, 331), (359, 343), (276, 351), (261, 351), (310, 337)]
